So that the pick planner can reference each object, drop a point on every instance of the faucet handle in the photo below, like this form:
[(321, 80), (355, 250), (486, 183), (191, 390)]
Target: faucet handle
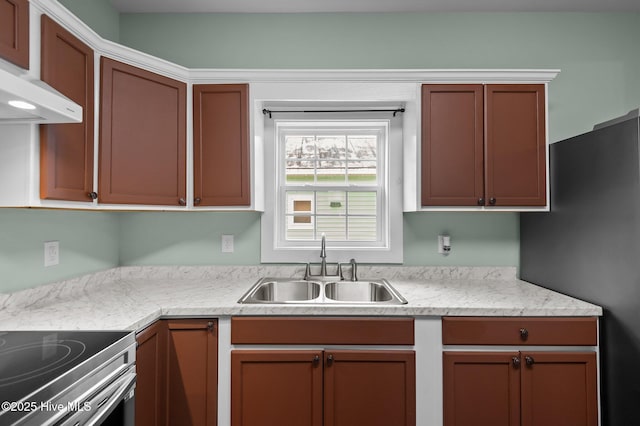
[(354, 270), (307, 271), (340, 271)]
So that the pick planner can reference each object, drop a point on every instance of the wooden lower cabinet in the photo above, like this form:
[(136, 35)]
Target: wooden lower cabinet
[(281, 388), (150, 375), (520, 388), (373, 388), (177, 368), (192, 372), (276, 388), (559, 389)]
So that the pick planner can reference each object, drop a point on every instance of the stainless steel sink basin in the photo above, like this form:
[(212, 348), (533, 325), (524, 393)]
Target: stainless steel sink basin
[(379, 291), (270, 290), (286, 290)]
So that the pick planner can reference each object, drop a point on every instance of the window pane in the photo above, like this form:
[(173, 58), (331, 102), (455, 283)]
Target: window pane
[(331, 172), (299, 231), (362, 229), (362, 172), (331, 202), (363, 147), (298, 201), (331, 147), (300, 146), (299, 172), (334, 227), (363, 203)]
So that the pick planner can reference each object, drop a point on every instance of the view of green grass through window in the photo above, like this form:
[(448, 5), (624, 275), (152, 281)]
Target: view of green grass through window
[(331, 184)]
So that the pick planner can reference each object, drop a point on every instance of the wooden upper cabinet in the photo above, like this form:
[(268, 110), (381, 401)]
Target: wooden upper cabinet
[(452, 145), (142, 137), (515, 145), (14, 32), (483, 145), (66, 150), (221, 145)]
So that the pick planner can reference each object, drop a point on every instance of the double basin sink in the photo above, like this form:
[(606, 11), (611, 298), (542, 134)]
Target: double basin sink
[(283, 290)]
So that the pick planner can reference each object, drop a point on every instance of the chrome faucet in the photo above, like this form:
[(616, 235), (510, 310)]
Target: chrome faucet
[(323, 266), (323, 256)]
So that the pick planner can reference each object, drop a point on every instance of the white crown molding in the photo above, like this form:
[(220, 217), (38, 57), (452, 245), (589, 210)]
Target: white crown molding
[(108, 48), (382, 75), (209, 75)]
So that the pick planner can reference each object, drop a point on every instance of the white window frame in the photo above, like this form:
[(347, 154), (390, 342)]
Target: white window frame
[(388, 247)]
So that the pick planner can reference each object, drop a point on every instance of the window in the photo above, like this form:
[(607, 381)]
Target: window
[(330, 177), (331, 180)]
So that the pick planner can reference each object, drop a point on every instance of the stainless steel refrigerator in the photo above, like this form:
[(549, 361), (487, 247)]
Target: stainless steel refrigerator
[(588, 246)]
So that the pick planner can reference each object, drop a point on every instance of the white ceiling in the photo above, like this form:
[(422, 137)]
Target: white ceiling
[(305, 6)]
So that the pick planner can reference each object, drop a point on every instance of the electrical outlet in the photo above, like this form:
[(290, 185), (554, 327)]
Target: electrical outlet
[(51, 253), (444, 244), (227, 243)]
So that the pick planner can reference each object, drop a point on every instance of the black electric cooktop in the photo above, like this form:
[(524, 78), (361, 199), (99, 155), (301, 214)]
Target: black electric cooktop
[(30, 360)]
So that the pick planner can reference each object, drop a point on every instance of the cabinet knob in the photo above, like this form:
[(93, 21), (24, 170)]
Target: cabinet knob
[(197, 201), (524, 334), (529, 360), (515, 361), (492, 201), (210, 326), (316, 359), (182, 202), (329, 359), (481, 201), (93, 195)]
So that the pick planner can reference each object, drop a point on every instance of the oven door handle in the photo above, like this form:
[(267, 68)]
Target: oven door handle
[(94, 411)]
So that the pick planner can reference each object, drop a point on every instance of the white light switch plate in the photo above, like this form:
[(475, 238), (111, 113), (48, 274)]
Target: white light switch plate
[(51, 253), (227, 243)]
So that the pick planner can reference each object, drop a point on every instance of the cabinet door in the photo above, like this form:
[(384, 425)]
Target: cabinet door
[(192, 372), (452, 145), (481, 388), (515, 164), (142, 137), (559, 389), (151, 396), (66, 150), (276, 388), (14, 31), (373, 388), (221, 145)]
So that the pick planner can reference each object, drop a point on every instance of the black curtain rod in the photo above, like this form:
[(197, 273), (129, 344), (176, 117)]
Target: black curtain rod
[(394, 111)]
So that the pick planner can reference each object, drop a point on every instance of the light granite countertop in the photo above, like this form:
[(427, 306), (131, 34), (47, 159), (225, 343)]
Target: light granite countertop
[(129, 298)]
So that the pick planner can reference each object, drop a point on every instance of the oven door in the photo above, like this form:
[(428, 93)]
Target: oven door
[(112, 405)]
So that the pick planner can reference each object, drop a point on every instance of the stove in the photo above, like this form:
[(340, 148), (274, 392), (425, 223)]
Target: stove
[(66, 377)]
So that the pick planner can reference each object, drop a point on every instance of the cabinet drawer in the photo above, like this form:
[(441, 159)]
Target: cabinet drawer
[(519, 331), (321, 331)]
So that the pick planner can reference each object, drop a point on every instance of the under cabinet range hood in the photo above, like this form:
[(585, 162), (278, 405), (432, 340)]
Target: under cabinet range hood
[(35, 102)]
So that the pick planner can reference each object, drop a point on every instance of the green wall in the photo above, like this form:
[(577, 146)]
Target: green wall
[(597, 54), (97, 14), (188, 238), (88, 243)]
